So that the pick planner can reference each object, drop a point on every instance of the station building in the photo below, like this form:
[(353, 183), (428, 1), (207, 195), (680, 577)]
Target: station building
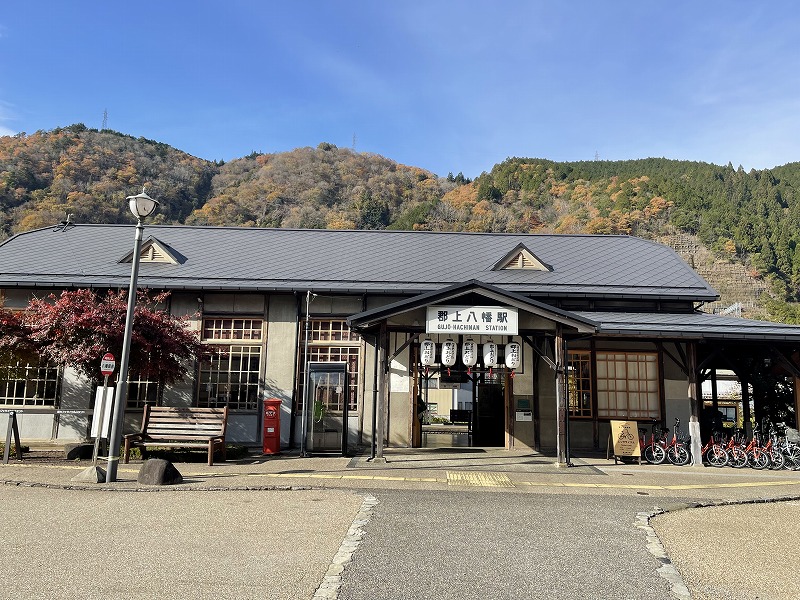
[(390, 338)]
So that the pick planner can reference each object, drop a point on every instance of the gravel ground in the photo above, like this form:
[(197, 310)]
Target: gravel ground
[(726, 568)]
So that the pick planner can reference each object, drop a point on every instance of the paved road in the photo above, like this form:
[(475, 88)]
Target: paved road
[(165, 545), (444, 527), (465, 545)]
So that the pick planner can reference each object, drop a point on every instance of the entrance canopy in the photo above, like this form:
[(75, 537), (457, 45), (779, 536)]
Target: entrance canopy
[(469, 290)]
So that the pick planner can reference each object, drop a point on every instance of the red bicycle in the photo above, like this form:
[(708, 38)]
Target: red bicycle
[(677, 452), (653, 451), (714, 452)]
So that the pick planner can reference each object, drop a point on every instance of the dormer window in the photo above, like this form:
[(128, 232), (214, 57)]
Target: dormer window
[(521, 258), (154, 251)]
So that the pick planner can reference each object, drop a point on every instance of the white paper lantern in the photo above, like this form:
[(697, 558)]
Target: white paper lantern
[(513, 355), (489, 354), (469, 353), (449, 353), (427, 352)]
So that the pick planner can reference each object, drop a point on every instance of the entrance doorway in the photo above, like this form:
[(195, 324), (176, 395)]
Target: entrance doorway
[(489, 423), (460, 409)]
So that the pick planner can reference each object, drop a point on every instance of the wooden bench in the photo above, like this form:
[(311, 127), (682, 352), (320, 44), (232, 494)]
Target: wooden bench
[(180, 427)]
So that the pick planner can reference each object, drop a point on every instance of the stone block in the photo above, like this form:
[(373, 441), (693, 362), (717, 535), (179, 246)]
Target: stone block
[(157, 471), (78, 451)]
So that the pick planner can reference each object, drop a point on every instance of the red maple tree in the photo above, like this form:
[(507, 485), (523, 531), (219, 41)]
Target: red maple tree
[(76, 328)]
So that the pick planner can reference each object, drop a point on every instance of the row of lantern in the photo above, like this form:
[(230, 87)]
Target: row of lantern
[(469, 353)]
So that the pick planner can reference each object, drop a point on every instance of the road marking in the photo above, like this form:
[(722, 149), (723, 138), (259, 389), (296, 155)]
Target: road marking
[(457, 479), (475, 478), (704, 486)]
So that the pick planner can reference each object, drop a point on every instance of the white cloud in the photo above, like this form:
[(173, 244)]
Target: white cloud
[(5, 115)]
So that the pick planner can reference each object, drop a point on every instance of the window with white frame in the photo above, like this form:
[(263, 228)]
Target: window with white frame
[(330, 340), (627, 385), (26, 384), (141, 392), (229, 372)]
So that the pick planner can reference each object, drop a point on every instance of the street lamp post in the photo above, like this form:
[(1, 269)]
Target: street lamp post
[(141, 206)]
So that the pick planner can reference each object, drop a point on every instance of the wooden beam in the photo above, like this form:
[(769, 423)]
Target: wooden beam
[(405, 345), (787, 363), (677, 361)]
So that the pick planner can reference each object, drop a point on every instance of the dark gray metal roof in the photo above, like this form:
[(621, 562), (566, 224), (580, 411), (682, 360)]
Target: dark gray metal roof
[(695, 325), (395, 262)]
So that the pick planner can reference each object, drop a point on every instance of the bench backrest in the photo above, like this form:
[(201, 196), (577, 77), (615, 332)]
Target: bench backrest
[(182, 421)]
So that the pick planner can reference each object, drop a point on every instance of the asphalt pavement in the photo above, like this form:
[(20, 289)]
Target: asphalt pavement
[(466, 523)]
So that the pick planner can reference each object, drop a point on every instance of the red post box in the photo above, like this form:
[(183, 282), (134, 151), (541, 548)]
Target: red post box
[(272, 426)]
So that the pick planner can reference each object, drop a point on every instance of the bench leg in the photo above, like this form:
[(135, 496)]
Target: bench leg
[(127, 452), (210, 453)]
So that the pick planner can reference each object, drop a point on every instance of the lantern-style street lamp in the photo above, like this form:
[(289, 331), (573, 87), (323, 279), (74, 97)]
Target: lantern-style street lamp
[(469, 354), (142, 206), (427, 352), (513, 355)]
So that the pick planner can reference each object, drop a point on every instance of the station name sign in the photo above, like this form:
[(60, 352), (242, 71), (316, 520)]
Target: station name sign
[(476, 320)]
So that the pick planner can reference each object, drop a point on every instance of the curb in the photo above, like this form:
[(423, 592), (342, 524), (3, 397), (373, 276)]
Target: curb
[(332, 582), (161, 488)]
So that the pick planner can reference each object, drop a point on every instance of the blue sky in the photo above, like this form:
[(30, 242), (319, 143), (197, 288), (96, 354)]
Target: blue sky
[(447, 86)]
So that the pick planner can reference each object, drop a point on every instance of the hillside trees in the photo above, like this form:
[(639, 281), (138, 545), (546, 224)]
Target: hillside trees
[(88, 174), (317, 187), (753, 217)]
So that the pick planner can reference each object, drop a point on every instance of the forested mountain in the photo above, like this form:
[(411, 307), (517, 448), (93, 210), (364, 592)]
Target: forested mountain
[(748, 219)]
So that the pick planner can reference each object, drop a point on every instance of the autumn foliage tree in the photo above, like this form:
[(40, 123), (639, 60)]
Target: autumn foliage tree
[(15, 343), (76, 328)]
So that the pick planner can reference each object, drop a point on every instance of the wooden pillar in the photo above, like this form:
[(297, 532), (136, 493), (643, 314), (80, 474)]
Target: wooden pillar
[(745, 379), (382, 392), (714, 391), (562, 459), (694, 405), (796, 402)]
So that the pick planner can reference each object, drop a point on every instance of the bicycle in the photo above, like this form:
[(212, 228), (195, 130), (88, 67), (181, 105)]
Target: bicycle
[(677, 452), (652, 451), (737, 458), (757, 457), (777, 460), (714, 452)]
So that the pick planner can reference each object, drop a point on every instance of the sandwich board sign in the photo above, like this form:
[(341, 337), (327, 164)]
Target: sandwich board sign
[(625, 440)]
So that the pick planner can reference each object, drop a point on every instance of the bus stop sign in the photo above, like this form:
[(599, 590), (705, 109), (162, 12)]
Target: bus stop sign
[(107, 364)]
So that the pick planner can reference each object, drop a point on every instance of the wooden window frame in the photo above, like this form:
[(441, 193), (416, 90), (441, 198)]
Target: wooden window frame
[(616, 393)]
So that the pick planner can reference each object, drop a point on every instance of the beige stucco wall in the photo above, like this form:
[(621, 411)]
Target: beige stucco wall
[(280, 359)]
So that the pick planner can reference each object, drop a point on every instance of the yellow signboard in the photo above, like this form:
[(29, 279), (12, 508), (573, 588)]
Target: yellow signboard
[(625, 439)]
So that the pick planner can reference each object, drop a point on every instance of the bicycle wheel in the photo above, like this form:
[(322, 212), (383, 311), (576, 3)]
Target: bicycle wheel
[(738, 458), (716, 456), (678, 455), (793, 457), (776, 459), (654, 454), (758, 459)]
